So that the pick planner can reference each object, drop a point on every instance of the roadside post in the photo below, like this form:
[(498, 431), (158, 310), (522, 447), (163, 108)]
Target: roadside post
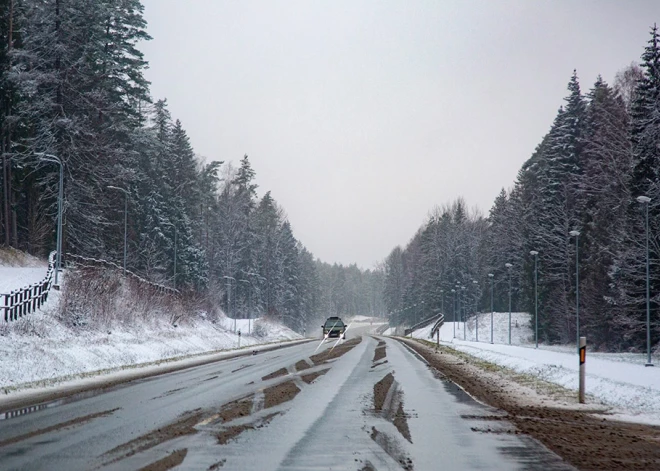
[(583, 357), (239, 338)]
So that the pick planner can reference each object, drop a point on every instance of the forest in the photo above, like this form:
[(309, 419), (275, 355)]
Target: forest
[(73, 92), (579, 206)]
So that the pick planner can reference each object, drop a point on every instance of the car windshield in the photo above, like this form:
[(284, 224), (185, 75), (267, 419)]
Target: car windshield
[(334, 323)]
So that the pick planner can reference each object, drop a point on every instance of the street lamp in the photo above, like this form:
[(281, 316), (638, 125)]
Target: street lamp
[(576, 234), (464, 312), (492, 278), (536, 297), (454, 316), (60, 197), (249, 300), (125, 218), (175, 236), (229, 280), (476, 312), (442, 301), (645, 200), (508, 266)]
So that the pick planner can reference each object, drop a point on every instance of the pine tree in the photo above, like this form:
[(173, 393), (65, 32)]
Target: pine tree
[(605, 194)]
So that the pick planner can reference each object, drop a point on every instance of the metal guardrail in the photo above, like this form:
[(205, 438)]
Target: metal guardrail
[(98, 263), (23, 301), (437, 325), (381, 329), (423, 323)]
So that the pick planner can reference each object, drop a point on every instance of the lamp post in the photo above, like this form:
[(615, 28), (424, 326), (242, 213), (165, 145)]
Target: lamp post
[(476, 310), (125, 218), (492, 278), (464, 311), (645, 200), (60, 197), (536, 297), (249, 300), (249, 273), (508, 266), (442, 301), (576, 234), (175, 237), (454, 316), (229, 280)]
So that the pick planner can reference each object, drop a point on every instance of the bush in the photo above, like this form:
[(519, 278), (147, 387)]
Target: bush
[(101, 297)]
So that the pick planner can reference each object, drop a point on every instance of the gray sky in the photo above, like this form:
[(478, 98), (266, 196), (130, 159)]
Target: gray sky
[(361, 116)]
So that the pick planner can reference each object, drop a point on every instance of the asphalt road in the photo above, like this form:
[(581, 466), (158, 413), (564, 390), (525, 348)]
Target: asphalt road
[(362, 404)]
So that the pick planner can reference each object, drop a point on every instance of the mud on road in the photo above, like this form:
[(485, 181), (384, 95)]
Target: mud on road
[(585, 438)]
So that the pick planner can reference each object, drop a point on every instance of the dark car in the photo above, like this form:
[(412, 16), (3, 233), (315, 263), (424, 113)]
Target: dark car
[(334, 327)]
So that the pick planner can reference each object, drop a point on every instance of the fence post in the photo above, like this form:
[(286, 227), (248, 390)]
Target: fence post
[(583, 357), (6, 307)]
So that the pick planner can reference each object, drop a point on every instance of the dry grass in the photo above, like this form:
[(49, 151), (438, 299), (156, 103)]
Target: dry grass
[(101, 297)]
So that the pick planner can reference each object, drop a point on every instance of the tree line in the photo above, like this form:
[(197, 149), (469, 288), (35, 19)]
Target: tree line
[(585, 177), (72, 88)]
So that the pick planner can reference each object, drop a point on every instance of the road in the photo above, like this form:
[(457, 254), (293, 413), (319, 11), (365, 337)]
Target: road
[(367, 403)]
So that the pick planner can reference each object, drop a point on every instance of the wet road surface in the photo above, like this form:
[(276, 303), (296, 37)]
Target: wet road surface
[(367, 403)]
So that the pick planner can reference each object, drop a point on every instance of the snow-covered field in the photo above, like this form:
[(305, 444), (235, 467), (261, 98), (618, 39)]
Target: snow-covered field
[(620, 381)]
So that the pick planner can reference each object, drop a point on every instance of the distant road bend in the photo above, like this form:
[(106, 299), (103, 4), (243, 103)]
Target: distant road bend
[(367, 403)]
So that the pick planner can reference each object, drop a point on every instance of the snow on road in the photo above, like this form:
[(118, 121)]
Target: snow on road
[(620, 381)]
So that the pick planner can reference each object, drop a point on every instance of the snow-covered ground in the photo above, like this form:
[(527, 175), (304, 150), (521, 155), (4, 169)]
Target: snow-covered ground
[(16, 278), (40, 349), (18, 270), (620, 381)]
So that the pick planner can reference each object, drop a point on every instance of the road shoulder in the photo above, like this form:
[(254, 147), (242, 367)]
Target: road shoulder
[(581, 434)]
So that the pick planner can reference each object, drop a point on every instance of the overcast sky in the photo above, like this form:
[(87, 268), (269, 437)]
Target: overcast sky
[(361, 116)]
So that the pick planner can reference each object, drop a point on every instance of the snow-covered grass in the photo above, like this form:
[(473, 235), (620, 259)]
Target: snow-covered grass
[(101, 322), (620, 381), (18, 269), (40, 347), (10, 257), (521, 333)]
